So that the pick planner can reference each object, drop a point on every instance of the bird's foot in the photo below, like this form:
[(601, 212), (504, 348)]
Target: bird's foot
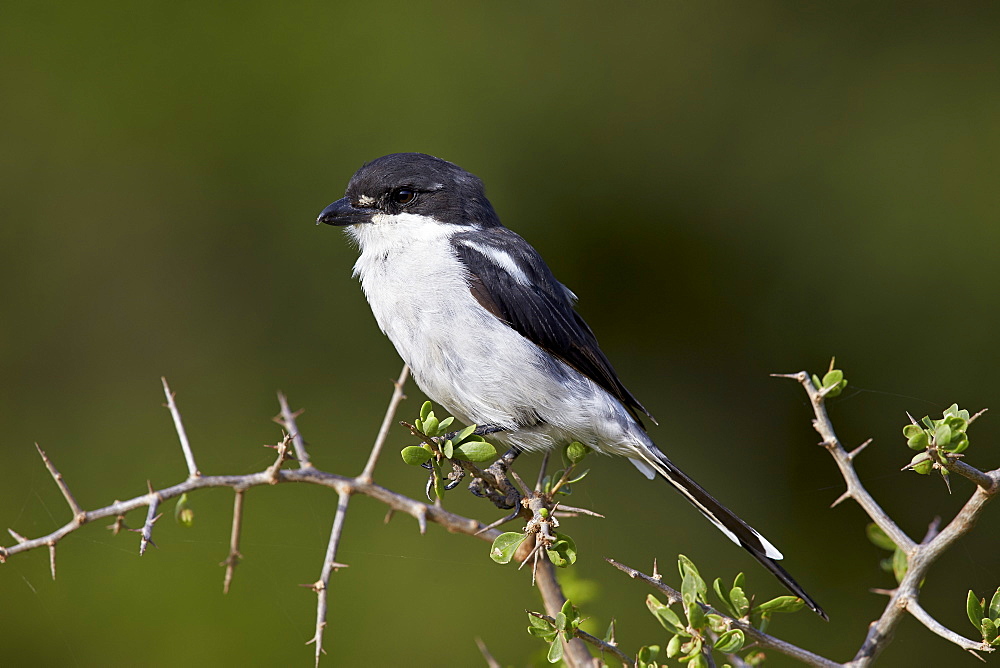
[(494, 484)]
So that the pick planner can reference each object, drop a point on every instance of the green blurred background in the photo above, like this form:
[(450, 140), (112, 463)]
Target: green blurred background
[(733, 189)]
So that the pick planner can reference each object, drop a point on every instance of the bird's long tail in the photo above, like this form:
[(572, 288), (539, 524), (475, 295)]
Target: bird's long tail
[(650, 459)]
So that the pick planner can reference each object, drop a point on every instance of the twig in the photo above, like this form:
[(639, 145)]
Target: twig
[(844, 460), (383, 432), (600, 644), (154, 500), (762, 639), (936, 627), (330, 564), (287, 420), (972, 473), (485, 651), (78, 514), (234, 541), (181, 434)]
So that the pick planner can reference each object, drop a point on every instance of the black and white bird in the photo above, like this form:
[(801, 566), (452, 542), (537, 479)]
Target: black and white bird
[(488, 331)]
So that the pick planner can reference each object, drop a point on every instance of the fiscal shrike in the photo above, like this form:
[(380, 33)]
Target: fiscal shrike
[(488, 331)]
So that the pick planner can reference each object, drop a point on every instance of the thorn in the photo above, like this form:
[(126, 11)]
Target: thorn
[(947, 479), (18, 537), (337, 566), (317, 586), (656, 571), (912, 421), (52, 559), (857, 451), (883, 592), (116, 526), (973, 419), (388, 515), (843, 497), (422, 519)]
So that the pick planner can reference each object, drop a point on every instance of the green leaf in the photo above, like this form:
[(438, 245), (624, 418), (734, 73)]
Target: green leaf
[(475, 451), (431, 425), (425, 410), (995, 606), (448, 449), (562, 553), (899, 565), (942, 435), (816, 382), (922, 463), (833, 377), (183, 512), (916, 438), (648, 654), (465, 433), (570, 613), (667, 617), (695, 615), (445, 423), (717, 623), (505, 545), (740, 602), (555, 654), (959, 445), (560, 621), (673, 647), (577, 478), (609, 637), (576, 451), (730, 641), (879, 537), (697, 660), (974, 608), (415, 455), (782, 604), (717, 588), (989, 629), (541, 628)]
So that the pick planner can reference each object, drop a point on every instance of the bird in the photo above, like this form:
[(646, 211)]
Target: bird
[(490, 334)]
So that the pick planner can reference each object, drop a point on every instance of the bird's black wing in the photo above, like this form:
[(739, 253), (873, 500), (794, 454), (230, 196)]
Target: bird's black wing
[(510, 280)]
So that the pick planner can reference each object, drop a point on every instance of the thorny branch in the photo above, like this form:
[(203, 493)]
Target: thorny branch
[(920, 556), (306, 473), (905, 598)]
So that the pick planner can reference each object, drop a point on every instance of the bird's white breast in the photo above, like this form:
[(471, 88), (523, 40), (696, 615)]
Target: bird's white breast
[(464, 358)]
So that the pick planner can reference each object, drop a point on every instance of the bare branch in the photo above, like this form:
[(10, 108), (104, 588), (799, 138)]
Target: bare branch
[(844, 462), (936, 627), (398, 502), (972, 473), (154, 500), (181, 434), (762, 639), (485, 651), (234, 541), (287, 420), (78, 514), (383, 432), (329, 565)]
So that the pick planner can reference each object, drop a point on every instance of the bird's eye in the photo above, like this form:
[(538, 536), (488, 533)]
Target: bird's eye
[(403, 196)]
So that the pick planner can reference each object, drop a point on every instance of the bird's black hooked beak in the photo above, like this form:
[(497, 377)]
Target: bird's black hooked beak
[(343, 213)]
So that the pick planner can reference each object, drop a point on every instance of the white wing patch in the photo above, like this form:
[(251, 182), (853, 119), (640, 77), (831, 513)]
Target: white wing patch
[(502, 259)]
